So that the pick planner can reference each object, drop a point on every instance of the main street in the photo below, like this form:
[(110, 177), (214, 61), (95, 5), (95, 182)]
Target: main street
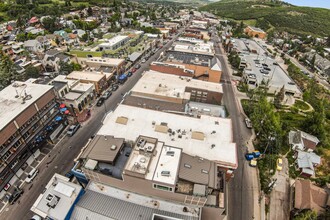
[(240, 195), (66, 150)]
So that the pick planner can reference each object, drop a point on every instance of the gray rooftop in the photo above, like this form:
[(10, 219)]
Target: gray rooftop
[(94, 205)]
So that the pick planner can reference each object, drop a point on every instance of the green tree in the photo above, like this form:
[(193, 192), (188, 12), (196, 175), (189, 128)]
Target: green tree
[(90, 11), (50, 24), (279, 97), (7, 70), (313, 61), (65, 68), (307, 215), (32, 72)]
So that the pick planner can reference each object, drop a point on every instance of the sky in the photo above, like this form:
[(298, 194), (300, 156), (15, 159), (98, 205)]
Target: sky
[(311, 3)]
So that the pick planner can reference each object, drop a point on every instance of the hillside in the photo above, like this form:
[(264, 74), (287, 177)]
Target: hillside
[(294, 19)]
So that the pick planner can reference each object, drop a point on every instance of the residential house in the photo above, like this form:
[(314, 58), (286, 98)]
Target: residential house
[(52, 60), (33, 46), (306, 196), (321, 64), (306, 162), (300, 140)]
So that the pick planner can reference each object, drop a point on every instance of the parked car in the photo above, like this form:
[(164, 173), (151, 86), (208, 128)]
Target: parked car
[(15, 196), (143, 60), (106, 95), (133, 70), (253, 163), (36, 217), (276, 64), (264, 64), (137, 66), (129, 74), (33, 173), (73, 129), (248, 123), (114, 87), (279, 164), (267, 69), (69, 175), (264, 71), (100, 101)]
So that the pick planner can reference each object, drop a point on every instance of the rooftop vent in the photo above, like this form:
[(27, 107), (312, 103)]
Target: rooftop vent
[(165, 173), (205, 171), (170, 153), (187, 165), (113, 147), (52, 200)]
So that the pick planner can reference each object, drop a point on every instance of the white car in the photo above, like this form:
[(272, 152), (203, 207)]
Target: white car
[(33, 173), (143, 60), (36, 217)]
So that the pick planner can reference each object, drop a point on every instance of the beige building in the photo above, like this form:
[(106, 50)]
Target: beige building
[(98, 79)]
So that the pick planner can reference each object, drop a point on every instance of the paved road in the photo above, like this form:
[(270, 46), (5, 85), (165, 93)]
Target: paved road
[(66, 151), (240, 196), (280, 196)]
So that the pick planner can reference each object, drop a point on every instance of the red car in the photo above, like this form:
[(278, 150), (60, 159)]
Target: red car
[(133, 70)]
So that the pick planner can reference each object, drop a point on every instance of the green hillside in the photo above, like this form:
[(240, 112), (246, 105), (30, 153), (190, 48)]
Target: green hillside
[(294, 19)]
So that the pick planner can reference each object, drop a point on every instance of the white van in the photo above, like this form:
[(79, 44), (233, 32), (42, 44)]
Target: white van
[(33, 173)]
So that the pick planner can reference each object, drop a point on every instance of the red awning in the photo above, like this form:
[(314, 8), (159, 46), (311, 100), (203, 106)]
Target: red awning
[(62, 105), (66, 112)]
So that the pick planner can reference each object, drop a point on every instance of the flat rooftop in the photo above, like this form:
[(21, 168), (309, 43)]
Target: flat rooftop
[(103, 148), (167, 166), (207, 137), (117, 205), (187, 58), (105, 61), (199, 48), (11, 107), (83, 87), (83, 75), (168, 85), (60, 194), (72, 96), (114, 40), (63, 79)]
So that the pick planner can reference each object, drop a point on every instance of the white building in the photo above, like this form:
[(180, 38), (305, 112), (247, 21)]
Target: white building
[(57, 201), (114, 43)]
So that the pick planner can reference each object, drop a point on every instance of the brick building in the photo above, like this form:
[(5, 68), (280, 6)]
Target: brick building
[(27, 114)]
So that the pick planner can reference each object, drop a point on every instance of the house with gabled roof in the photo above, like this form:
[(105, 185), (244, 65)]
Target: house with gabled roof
[(306, 163), (300, 140)]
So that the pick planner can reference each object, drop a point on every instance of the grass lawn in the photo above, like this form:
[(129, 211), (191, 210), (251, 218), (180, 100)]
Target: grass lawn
[(108, 36), (85, 53), (301, 105), (251, 22)]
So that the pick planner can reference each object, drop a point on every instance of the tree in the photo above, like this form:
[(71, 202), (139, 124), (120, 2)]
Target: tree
[(65, 68), (307, 215), (7, 70), (90, 11), (32, 72), (50, 24), (279, 97), (313, 61)]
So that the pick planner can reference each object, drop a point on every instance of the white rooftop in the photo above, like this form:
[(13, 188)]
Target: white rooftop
[(62, 78), (82, 75), (168, 162), (83, 87), (105, 60), (168, 85), (11, 107), (114, 40), (58, 186), (208, 137), (202, 48), (72, 96)]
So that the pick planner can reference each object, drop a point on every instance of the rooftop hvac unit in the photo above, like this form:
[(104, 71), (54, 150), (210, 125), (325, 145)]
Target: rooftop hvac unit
[(170, 153), (165, 173)]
